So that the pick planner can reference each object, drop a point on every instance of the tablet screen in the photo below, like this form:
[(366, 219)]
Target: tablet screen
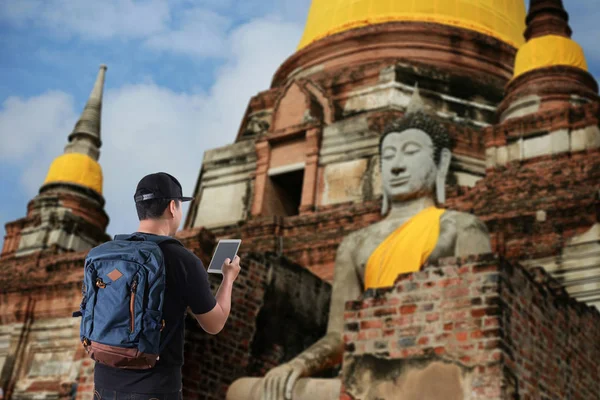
[(224, 250)]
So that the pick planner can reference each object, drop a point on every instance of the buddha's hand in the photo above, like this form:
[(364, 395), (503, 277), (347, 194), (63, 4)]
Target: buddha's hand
[(279, 382)]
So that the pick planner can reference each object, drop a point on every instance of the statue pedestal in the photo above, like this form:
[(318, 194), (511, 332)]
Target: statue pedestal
[(473, 328)]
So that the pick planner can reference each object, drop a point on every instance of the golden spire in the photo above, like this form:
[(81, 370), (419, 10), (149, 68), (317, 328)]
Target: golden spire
[(79, 163), (502, 19), (549, 41)]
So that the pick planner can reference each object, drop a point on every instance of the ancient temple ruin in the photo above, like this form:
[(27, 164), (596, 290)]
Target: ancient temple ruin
[(511, 88)]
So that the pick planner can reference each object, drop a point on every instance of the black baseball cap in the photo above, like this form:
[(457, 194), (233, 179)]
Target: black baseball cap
[(159, 186)]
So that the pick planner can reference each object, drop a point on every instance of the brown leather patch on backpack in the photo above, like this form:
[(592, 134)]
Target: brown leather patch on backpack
[(114, 274), (120, 357)]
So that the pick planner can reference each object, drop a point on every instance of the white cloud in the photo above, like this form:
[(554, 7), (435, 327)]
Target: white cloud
[(198, 28), (201, 33), (90, 19), (146, 127), (257, 48), (27, 125)]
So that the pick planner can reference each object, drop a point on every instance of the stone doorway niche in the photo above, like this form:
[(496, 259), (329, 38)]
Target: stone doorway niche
[(284, 190)]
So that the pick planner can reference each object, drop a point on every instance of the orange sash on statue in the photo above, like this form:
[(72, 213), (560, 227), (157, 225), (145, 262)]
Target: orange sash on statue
[(405, 250)]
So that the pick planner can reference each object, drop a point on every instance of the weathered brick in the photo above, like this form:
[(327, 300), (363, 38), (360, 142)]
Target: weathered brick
[(408, 309), (432, 317), (371, 324), (380, 312)]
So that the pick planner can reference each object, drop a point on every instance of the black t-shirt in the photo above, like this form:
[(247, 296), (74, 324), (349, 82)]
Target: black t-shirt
[(186, 285)]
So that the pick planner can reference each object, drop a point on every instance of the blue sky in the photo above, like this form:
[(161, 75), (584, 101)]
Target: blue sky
[(180, 74)]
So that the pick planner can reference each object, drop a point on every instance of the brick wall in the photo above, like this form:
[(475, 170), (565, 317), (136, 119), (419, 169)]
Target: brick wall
[(85, 383), (564, 187), (207, 357), (278, 309), (473, 328), (551, 342)]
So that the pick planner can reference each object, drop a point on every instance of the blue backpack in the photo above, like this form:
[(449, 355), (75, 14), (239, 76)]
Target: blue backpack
[(123, 294)]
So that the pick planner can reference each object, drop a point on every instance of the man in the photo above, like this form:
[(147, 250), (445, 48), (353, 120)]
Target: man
[(158, 199)]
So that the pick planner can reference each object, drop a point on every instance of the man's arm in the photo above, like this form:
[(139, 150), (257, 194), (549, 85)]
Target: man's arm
[(214, 320)]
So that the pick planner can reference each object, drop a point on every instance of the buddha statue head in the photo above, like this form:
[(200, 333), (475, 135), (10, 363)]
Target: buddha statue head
[(415, 156)]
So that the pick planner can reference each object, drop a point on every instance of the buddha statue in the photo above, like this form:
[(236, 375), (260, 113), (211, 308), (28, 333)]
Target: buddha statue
[(416, 229)]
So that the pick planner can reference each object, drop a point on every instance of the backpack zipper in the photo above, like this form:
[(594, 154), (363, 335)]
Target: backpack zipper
[(132, 303)]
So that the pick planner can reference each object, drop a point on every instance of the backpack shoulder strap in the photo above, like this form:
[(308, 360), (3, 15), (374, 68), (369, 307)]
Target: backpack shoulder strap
[(136, 237), (160, 240)]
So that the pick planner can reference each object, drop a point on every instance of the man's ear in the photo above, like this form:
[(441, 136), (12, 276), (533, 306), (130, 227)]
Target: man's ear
[(173, 206)]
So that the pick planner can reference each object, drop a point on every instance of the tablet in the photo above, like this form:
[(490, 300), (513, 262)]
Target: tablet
[(226, 248)]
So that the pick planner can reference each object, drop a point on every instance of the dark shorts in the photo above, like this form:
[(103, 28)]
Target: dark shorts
[(103, 394)]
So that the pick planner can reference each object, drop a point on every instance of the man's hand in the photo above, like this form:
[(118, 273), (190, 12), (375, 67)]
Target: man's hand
[(231, 269)]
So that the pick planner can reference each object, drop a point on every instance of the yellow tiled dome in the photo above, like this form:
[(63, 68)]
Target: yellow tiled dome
[(547, 51), (502, 19), (76, 168)]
